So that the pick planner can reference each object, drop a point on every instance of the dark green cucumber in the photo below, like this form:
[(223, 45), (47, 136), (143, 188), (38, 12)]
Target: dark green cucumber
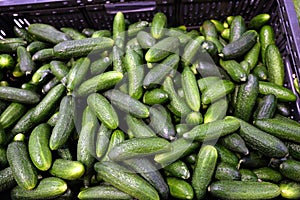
[(162, 49), (290, 190), (72, 33), (225, 171), (281, 93), (212, 130), (155, 96), (209, 29), (150, 173), (294, 149), (266, 37), (59, 70), (136, 28), (253, 160), (145, 40), (258, 21), (266, 108), (77, 73), (49, 85), (283, 109), (23, 33), (103, 192), (261, 141), (116, 137), (49, 187), (103, 110), (261, 72), (235, 143), (79, 48), (290, 169), (248, 175), (253, 55), (280, 128), (191, 50), (237, 28), (246, 66), (227, 156), (102, 140), (158, 25), (12, 114), (139, 147), (178, 169), (204, 169), (47, 33), (14, 94), (246, 98), (100, 65), (244, 190), (127, 104), (126, 181), (22, 168), (65, 152), (268, 174), (27, 66), (234, 70), (38, 147), (67, 169), (35, 46), (44, 55), (220, 89), (7, 180), (100, 82), (138, 127), (10, 45), (65, 123), (24, 124), (240, 46), (180, 189), (41, 75)]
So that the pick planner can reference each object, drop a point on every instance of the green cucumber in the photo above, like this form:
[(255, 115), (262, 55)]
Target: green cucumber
[(100, 65), (294, 149), (67, 169), (10, 45), (38, 147), (261, 72), (235, 143), (258, 21), (72, 33), (41, 75), (137, 27), (103, 192), (290, 190), (227, 156), (116, 137), (49, 85), (22, 168), (209, 29), (127, 104), (24, 124), (158, 25), (212, 130), (44, 55), (35, 46), (218, 24), (102, 140), (237, 28), (100, 82), (194, 118), (27, 66), (23, 33), (145, 40), (77, 73), (244, 190), (59, 70), (180, 189), (283, 109), (6, 61), (253, 55), (248, 175), (49, 187), (266, 37), (253, 160), (119, 29), (290, 169), (155, 96), (65, 124), (103, 110), (225, 171), (246, 66), (12, 114), (65, 152), (191, 50), (88, 32), (7, 180), (14, 94), (204, 169), (117, 59), (125, 180), (281, 93), (266, 108), (139, 147), (204, 83), (246, 98), (101, 33), (234, 69), (138, 127), (178, 169), (268, 174)]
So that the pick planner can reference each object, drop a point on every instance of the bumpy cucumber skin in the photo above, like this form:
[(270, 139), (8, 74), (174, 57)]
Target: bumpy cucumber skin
[(103, 192), (158, 25), (290, 169)]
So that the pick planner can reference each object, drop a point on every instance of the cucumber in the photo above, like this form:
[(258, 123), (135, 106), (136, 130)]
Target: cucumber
[(290, 169), (246, 66), (139, 147), (158, 25), (155, 96), (35, 46), (248, 175), (218, 24), (253, 55), (283, 109), (103, 192), (103, 110), (150, 173), (24, 124), (117, 59), (6, 61), (268, 174), (204, 83), (88, 32), (227, 156), (135, 70), (180, 189), (102, 140), (82, 47), (266, 108), (244, 190), (72, 33), (266, 37), (191, 50), (49, 187), (77, 73), (100, 82), (145, 40), (258, 21), (209, 29), (178, 169), (65, 152), (290, 190), (234, 69), (246, 98), (3, 158), (294, 149), (190, 89), (7, 180), (125, 180), (280, 128), (261, 72), (23, 33), (275, 66), (185, 37), (253, 160), (12, 114), (235, 143), (67, 169), (138, 127), (240, 46), (14, 94), (261, 141), (47, 33), (27, 66), (65, 123), (49, 85), (137, 27), (116, 137), (225, 171), (281, 93), (38, 147), (127, 104), (101, 33), (59, 70), (44, 55), (41, 75), (119, 29), (212, 130), (100, 65), (237, 28), (204, 169), (194, 118), (22, 168), (162, 49), (10, 45), (225, 34), (158, 73), (179, 148)]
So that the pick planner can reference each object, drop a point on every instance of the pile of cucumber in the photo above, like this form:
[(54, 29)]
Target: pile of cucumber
[(147, 112)]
